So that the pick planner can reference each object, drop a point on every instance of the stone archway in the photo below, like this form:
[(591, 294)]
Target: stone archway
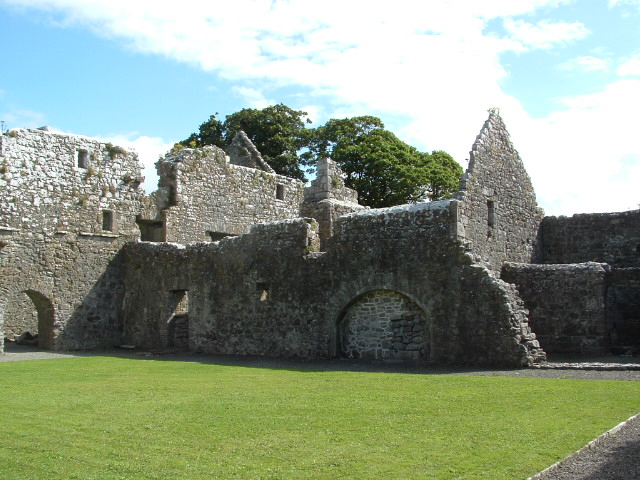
[(30, 311), (384, 325)]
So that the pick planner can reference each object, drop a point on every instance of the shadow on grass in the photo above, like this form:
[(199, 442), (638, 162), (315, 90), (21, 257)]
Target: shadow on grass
[(19, 352)]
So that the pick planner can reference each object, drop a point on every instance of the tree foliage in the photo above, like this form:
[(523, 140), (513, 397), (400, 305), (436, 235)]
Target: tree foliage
[(383, 169), (278, 132)]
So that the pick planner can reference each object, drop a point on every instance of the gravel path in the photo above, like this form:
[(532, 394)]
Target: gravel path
[(613, 456)]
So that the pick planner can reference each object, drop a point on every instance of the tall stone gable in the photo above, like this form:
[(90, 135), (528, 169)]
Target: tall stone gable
[(498, 213)]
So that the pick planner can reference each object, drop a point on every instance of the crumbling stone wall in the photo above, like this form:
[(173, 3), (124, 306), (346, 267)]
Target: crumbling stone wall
[(327, 198), (271, 293), (566, 305), (202, 197), (613, 238), (68, 205), (498, 217), (22, 317)]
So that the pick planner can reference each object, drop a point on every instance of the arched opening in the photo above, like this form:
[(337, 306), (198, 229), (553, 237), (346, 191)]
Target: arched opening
[(29, 320), (383, 325)]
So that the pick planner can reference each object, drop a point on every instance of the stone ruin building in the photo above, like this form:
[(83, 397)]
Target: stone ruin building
[(227, 257)]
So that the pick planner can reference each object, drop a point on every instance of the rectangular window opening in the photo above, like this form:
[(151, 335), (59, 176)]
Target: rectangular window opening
[(83, 158), (263, 291), (107, 220), (280, 192), (491, 215)]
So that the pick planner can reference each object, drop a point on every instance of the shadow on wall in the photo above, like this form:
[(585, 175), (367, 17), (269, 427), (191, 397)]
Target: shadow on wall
[(97, 321), (31, 321)]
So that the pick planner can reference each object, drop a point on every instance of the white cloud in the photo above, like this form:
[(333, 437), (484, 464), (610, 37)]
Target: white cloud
[(149, 150), (585, 157), (586, 64), (253, 98), (630, 67), (25, 118), (544, 34), (428, 67)]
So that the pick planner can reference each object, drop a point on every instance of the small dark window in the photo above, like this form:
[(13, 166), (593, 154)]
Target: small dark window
[(491, 213), (491, 216), (263, 291), (107, 220), (83, 158), (280, 192)]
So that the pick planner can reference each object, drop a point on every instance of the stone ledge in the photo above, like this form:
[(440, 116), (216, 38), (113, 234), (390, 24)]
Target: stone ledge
[(587, 366), (101, 235), (9, 229)]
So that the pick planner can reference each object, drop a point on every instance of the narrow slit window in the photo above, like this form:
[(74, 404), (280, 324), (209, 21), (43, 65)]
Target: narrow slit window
[(280, 192), (107, 220), (491, 213), (83, 158)]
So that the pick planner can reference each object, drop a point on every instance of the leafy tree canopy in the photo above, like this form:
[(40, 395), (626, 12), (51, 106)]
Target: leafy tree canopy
[(383, 169), (278, 132)]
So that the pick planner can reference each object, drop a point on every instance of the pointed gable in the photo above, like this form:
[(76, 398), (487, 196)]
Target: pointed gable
[(498, 211), (243, 152)]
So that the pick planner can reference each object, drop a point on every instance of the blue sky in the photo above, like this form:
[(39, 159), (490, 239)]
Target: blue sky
[(144, 74)]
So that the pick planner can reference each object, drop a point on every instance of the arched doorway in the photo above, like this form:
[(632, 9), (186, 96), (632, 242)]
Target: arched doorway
[(30, 311), (384, 325)]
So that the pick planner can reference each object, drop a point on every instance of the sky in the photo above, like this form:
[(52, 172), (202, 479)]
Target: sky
[(145, 74)]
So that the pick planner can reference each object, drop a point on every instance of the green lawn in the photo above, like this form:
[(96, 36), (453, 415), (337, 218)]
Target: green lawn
[(115, 418)]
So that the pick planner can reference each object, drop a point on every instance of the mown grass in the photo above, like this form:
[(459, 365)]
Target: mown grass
[(114, 418)]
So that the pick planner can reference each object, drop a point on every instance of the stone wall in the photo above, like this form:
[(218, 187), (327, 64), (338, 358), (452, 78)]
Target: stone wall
[(22, 316), (566, 305), (202, 197), (271, 293), (623, 309), (499, 217), (384, 325), (68, 205), (613, 238), (54, 182), (327, 198)]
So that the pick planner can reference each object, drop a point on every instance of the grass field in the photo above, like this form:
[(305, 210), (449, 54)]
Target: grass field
[(115, 418)]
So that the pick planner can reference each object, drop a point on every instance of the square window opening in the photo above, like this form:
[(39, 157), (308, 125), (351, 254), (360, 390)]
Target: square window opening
[(107, 220), (83, 158)]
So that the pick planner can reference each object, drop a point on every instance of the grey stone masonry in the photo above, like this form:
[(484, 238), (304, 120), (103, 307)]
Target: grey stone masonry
[(68, 205), (203, 197), (613, 238), (327, 198), (499, 216), (55, 182), (440, 282), (566, 305), (243, 152)]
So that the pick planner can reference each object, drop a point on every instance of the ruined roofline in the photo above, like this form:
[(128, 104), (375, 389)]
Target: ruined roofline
[(399, 209), (190, 153), (47, 130), (493, 125), (243, 152)]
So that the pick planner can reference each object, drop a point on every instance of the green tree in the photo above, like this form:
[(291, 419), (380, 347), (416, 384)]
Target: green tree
[(210, 132), (383, 169), (278, 132)]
